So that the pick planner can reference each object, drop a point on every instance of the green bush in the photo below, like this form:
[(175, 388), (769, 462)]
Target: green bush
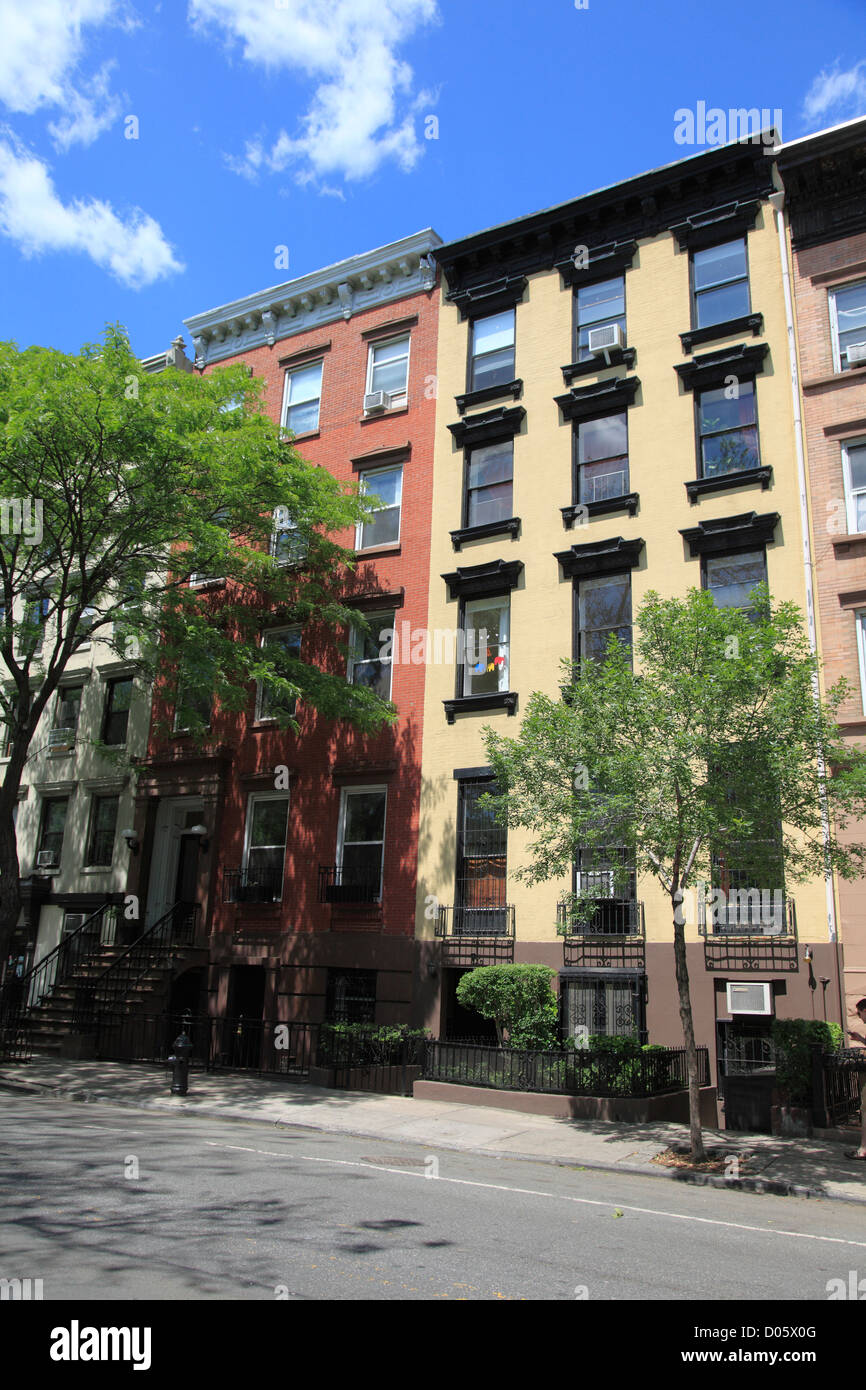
[(793, 1039), (520, 1001), (364, 1044)]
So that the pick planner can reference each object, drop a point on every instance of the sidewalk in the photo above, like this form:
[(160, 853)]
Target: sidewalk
[(787, 1167)]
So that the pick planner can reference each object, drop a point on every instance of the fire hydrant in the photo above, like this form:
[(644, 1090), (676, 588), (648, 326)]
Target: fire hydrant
[(180, 1065)]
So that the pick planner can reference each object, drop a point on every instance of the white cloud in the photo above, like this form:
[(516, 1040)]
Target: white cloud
[(360, 114), (837, 94), (132, 249), (42, 46)]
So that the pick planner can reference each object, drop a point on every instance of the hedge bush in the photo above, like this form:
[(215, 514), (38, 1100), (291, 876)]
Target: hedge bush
[(793, 1039)]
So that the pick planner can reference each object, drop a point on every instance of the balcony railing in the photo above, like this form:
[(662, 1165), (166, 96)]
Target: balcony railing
[(347, 886), (612, 917), (457, 920), (250, 885), (749, 913)]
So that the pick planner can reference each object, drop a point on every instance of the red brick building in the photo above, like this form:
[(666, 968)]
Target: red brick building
[(306, 879), (825, 196)]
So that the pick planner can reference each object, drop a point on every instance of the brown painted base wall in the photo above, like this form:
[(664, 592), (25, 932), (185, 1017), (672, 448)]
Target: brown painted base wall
[(622, 1109)]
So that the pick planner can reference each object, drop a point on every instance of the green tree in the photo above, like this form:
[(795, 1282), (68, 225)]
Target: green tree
[(118, 486), (712, 752), (519, 1000)]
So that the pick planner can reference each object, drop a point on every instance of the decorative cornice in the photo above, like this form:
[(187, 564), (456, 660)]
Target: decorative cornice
[(716, 224), (391, 453), (392, 598), (472, 774), (740, 477), (484, 581), (616, 357), (490, 298), (502, 423), (488, 393), (104, 784), (825, 184), (636, 209), (509, 527), (600, 557), (696, 336), (617, 393), (383, 276), (725, 535), (601, 261), (712, 368)]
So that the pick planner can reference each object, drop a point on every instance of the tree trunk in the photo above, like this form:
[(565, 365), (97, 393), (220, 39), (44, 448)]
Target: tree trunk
[(695, 1133)]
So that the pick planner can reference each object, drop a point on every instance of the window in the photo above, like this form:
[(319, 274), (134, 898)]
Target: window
[(597, 306), (602, 458), (362, 841), (860, 619), (731, 578), (51, 835), (383, 528), (303, 392), (288, 545), (351, 996), (847, 324), (603, 1003), (35, 616), (265, 846), (748, 869), (117, 705), (367, 665), (728, 430), (267, 705), (222, 519), (103, 823), (492, 351), (68, 707), (721, 283), (606, 873), (85, 626), (480, 907), (489, 476), (388, 369), (603, 609), (486, 626), (854, 474), (192, 704)]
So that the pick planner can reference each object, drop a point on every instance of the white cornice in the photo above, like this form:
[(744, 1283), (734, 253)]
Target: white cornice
[(338, 291)]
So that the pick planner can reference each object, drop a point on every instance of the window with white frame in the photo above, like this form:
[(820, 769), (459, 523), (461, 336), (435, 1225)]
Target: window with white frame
[(361, 842), (88, 617), (383, 528), (388, 370), (860, 619), (848, 326), (222, 519), (265, 843), (486, 624), (370, 656), (302, 398), (267, 704), (288, 544), (854, 474)]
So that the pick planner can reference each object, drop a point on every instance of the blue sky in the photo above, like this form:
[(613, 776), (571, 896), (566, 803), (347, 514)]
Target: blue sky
[(305, 123)]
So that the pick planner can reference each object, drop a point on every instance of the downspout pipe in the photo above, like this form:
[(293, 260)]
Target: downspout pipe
[(778, 201)]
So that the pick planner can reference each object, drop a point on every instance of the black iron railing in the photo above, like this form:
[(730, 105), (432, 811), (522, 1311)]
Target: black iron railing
[(750, 914), (495, 919), (78, 950), (580, 1071), (152, 951), (837, 1081), (252, 885), (338, 885), (611, 917)]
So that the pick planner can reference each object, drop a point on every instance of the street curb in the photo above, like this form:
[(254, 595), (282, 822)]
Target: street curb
[(774, 1187)]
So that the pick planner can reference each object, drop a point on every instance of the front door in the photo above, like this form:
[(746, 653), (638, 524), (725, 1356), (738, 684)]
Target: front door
[(172, 873)]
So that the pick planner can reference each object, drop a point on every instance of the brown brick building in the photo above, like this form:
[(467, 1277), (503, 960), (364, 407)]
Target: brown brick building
[(824, 177)]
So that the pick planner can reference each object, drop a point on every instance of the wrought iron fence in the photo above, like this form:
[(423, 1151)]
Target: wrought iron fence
[(252, 885), (582, 1072), (611, 917), (837, 1079)]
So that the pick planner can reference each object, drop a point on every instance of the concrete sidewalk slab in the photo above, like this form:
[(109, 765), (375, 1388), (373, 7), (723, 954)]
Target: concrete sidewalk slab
[(788, 1167)]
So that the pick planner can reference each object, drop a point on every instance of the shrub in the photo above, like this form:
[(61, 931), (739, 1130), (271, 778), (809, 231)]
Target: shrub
[(520, 1001), (793, 1039)]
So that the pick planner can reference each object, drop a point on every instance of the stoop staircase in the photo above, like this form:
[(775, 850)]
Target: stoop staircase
[(88, 981)]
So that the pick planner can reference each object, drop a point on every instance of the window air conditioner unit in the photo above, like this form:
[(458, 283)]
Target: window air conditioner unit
[(46, 859), (602, 340), (856, 354), (375, 401), (61, 738), (748, 997)]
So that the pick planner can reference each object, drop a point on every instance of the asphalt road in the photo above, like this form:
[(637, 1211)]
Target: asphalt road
[(102, 1202)]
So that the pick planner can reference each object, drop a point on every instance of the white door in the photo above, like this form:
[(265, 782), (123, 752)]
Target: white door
[(172, 819)]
